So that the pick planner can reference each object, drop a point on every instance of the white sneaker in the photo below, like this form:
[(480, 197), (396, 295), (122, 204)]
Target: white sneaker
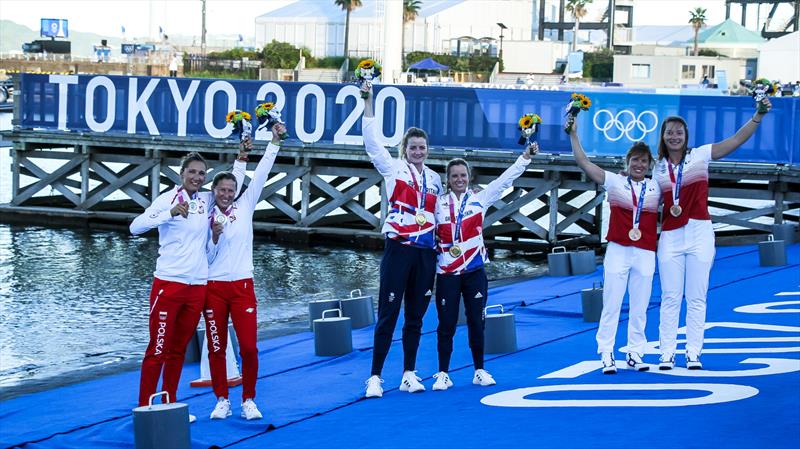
[(374, 388), (609, 365), (666, 362), (250, 410), (192, 418), (411, 383), (635, 362), (443, 381), (693, 361), (222, 410), (483, 378)]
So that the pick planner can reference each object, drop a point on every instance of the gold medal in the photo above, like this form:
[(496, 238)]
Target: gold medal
[(675, 210), (455, 250), (635, 234), (420, 219)]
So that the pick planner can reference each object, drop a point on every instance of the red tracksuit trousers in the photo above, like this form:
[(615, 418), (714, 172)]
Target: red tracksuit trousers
[(237, 299), (174, 313)]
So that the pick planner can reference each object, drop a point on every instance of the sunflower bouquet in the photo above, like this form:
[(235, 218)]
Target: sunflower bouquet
[(759, 90), (367, 71), (268, 115), (240, 120), (577, 103), (528, 126)]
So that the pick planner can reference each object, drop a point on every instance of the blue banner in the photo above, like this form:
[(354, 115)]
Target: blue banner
[(454, 117)]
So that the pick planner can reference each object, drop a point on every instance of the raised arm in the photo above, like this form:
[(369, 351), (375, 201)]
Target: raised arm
[(594, 172), (380, 157), (729, 145), (264, 166)]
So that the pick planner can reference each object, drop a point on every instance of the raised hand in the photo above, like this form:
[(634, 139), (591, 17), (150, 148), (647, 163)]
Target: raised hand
[(181, 209), (216, 231), (532, 150), (277, 130)]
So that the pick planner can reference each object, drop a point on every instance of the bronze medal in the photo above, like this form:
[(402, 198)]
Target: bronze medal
[(675, 210), (455, 250), (635, 234), (420, 219)]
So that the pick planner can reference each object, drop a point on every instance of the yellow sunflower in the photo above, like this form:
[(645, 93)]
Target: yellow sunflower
[(268, 105), (246, 115), (586, 102), (526, 122), (230, 115), (366, 64)]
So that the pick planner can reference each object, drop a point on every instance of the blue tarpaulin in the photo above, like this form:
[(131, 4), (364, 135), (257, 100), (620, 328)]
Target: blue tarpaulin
[(428, 64)]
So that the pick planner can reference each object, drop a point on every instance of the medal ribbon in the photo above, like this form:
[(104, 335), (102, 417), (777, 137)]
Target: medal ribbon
[(457, 220), (420, 202), (637, 205), (676, 183), (227, 212)]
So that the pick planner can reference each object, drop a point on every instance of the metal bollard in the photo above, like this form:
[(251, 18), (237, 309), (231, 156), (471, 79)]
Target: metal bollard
[(359, 309), (558, 262), (772, 253), (582, 261), (500, 333), (592, 303), (161, 425), (315, 309), (333, 336)]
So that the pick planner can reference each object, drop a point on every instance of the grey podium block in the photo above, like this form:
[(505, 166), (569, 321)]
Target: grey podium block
[(592, 303), (786, 232), (158, 426), (360, 310), (333, 336), (582, 261), (558, 263), (315, 309), (772, 253), (500, 335)]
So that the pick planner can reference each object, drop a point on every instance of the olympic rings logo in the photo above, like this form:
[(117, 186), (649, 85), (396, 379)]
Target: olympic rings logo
[(626, 123)]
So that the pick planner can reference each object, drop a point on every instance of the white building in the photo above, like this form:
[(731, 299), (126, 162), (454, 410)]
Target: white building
[(319, 25), (779, 58), (675, 71)]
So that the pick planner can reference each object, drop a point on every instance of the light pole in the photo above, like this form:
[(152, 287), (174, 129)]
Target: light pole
[(502, 27)]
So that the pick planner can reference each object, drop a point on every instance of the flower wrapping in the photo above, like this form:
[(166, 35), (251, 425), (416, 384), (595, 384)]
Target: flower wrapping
[(240, 121), (528, 126), (759, 90), (367, 71), (577, 103), (268, 115)]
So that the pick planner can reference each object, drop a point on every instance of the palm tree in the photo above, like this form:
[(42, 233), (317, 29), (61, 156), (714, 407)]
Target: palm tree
[(349, 6), (578, 10), (697, 18), (410, 12)]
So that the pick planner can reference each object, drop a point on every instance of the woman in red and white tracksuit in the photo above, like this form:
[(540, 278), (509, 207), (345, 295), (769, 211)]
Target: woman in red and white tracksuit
[(230, 280), (630, 260), (409, 259), (686, 247), (462, 255), (179, 286)]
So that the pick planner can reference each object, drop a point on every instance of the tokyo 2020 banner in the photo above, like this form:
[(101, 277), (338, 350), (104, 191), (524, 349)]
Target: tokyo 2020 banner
[(454, 117)]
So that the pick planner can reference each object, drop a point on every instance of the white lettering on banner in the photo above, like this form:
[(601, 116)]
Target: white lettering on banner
[(63, 81), (208, 118), (774, 366), (182, 103), (342, 135), (111, 101), (214, 335), (138, 105), (280, 102), (400, 113), (719, 393), (767, 307), (300, 113)]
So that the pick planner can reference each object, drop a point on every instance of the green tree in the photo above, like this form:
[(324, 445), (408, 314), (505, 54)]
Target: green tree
[(410, 12), (697, 17), (348, 6), (282, 55), (578, 10)]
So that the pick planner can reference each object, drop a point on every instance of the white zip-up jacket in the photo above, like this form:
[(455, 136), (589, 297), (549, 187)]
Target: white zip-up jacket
[(182, 241), (232, 258)]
